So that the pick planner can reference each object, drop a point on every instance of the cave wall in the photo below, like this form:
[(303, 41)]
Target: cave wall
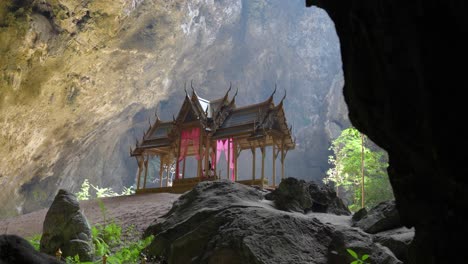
[(403, 63), (80, 79)]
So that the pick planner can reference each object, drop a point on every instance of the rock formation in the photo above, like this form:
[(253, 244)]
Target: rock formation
[(17, 250), (401, 62), (80, 79), (226, 222), (65, 227), (382, 217), (397, 240), (299, 196)]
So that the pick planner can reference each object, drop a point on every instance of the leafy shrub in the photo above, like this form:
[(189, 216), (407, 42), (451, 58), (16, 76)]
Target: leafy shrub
[(84, 194)]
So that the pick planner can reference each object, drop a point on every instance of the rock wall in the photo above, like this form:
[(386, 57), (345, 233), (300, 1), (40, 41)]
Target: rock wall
[(401, 62), (79, 80)]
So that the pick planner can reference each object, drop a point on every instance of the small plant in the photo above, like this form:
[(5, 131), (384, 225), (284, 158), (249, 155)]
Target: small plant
[(356, 257), (35, 241), (83, 194), (131, 253), (103, 209)]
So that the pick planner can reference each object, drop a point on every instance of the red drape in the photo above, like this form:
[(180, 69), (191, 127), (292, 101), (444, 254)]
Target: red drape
[(223, 145), (188, 136)]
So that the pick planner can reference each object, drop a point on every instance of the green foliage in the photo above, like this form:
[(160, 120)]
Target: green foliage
[(104, 192), (358, 260), (35, 241), (127, 191), (103, 209), (131, 252), (76, 260), (346, 170), (84, 194), (109, 236), (106, 237)]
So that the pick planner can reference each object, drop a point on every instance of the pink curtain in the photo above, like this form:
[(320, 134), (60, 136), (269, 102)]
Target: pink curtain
[(223, 145), (188, 136)]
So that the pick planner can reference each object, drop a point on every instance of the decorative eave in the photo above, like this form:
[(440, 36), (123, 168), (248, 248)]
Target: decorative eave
[(195, 100), (186, 106), (224, 111)]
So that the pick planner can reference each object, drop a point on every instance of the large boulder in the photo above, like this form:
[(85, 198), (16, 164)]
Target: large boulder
[(65, 227), (226, 222), (383, 216), (295, 195), (16, 250), (397, 240)]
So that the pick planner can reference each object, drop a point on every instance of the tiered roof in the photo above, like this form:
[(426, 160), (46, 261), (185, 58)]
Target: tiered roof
[(222, 119)]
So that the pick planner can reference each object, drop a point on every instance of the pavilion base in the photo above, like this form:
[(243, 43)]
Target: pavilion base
[(184, 185)]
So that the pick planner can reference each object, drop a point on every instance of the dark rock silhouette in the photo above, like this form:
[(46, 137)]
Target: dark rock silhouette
[(404, 87), (359, 214), (382, 217), (17, 250), (295, 195), (65, 227), (397, 240), (226, 222)]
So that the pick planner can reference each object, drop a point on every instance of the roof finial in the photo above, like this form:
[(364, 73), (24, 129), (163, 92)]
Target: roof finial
[(185, 88), (237, 90), (191, 85), (131, 151), (227, 92), (274, 91), (282, 99), (156, 114)]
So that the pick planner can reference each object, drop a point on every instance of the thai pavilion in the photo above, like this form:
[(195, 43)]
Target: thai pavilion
[(205, 129)]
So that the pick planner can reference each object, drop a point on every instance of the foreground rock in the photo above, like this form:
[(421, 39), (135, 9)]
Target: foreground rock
[(226, 222), (382, 217), (397, 240), (14, 249), (394, 97), (65, 227), (299, 196)]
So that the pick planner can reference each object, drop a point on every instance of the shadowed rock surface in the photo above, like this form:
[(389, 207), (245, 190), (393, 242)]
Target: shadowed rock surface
[(401, 61), (359, 214), (226, 222), (295, 195), (397, 240), (17, 250), (382, 217), (65, 227)]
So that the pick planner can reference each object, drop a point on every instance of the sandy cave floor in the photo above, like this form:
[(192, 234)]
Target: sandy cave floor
[(138, 211)]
